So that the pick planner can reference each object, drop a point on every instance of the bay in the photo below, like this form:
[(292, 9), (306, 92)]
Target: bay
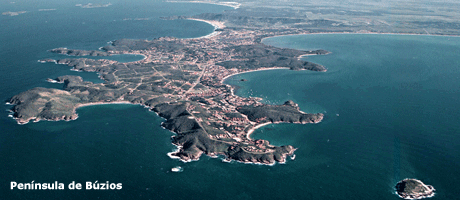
[(390, 104)]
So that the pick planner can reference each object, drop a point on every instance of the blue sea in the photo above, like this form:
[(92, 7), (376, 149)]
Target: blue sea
[(390, 102)]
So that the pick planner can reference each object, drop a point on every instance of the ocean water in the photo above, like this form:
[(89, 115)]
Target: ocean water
[(28, 37), (391, 112), (390, 103)]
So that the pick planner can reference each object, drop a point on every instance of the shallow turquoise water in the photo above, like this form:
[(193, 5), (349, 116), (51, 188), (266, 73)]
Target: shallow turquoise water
[(396, 96)]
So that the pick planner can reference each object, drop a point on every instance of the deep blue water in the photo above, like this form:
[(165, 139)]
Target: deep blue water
[(396, 98), (391, 110)]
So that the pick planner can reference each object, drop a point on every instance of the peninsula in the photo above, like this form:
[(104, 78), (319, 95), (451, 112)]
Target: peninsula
[(182, 81)]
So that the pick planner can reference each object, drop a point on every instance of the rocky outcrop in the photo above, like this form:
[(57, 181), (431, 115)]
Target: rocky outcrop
[(288, 112), (44, 103), (414, 189), (76, 52)]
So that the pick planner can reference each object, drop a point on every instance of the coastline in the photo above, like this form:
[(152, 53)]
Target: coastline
[(215, 24), (256, 70), (74, 116), (79, 105), (357, 33), (255, 128), (277, 122), (234, 5), (110, 54), (144, 57), (306, 55)]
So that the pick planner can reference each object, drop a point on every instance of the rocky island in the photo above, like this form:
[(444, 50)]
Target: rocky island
[(413, 189), (182, 81)]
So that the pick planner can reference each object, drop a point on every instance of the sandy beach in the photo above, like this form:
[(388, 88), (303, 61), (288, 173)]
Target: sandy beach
[(100, 103), (144, 56), (254, 128), (261, 69), (234, 5), (215, 24)]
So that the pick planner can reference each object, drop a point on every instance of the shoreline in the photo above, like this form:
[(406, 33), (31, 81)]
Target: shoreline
[(234, 5), (367, 33), (255, 128), (110, 55), (306, 55), (215, 24), (250, 131), (256, 70), (75, 115), (144, 57), (79, 105)]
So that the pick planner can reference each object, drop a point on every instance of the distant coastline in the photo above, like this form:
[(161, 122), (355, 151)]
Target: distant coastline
[(234, 5), (357, 33), (215, 24)]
